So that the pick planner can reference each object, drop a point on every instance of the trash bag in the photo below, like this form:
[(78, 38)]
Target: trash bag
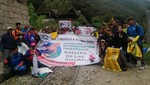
[(111, 59), (34, 70), (23, 48), (134, 49)]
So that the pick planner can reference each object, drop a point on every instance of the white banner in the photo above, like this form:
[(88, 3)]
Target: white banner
[(69, 50), (86, 30), (64, 24)]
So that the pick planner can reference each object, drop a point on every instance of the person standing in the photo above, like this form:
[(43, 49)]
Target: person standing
[(30, 36), (8, 42), (17, 32), (136, 31)]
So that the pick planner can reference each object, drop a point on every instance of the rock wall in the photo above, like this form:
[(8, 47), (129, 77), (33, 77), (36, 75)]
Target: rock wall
[(12, 11)]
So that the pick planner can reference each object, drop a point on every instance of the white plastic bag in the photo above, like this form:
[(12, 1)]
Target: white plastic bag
[(34, 70)]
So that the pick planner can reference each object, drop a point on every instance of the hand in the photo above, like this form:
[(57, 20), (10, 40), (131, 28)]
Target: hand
[(20, 64), (5, 61), (136, 39)]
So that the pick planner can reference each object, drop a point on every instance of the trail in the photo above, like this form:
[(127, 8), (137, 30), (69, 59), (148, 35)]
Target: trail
[(86, 75)]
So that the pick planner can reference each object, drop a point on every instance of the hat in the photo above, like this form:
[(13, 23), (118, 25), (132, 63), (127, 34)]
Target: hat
[(8, 28), (103, 41), (33, 44), (130, 18)]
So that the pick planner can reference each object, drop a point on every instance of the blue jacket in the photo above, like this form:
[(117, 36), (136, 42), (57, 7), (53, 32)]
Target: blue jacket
[(30, 38), (135, 30), (14, 60)]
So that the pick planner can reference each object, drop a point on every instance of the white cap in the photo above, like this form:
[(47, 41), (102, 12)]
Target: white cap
[(9, 27)]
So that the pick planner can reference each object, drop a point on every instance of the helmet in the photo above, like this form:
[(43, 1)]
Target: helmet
[(33, 44)]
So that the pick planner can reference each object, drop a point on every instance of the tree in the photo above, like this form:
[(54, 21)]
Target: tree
[(35, 20)]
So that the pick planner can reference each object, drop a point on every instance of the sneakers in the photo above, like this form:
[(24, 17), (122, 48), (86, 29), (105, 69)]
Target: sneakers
[(142, 67), (138, 63)]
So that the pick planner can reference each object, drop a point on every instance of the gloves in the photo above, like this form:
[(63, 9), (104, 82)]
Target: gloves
[(5, 61), (136, 39), (20, 64)]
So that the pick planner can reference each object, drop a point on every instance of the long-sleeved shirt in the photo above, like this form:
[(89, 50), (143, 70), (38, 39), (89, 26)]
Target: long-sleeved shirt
[(135, 30)]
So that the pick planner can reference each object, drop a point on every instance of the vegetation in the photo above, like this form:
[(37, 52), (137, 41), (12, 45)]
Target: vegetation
[(98, 11), (35, 20)]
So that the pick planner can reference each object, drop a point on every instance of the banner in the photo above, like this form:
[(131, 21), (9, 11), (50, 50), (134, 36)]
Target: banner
[(86, 30), (69, 50), (64, 24), (45, 37)]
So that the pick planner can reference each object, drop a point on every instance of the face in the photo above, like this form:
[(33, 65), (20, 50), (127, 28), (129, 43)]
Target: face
[(10, 30), (131, 22), (15, 51), (113, 22), (27, 26), (18, 26), (102, 44), (125, 25), (36, 31), (109, 32), (20, 37), (43, 31), (32, 31), (33, 47), (119, 29)]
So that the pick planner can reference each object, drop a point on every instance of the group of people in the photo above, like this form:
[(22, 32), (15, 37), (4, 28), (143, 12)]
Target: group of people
[(19, 63), (118, 35), (113, 34)]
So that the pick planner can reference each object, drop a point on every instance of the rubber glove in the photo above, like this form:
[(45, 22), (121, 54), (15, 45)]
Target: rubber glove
[(20, 64), (136, 39), (5, 61)]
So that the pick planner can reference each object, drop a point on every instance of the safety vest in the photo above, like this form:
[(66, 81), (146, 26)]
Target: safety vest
[(15, 33)]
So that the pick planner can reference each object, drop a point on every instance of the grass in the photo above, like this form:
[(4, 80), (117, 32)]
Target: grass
[(147, 55), (146, 45)]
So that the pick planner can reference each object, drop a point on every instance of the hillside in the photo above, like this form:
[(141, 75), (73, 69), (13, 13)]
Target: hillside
[(126, 8), (104, 8)]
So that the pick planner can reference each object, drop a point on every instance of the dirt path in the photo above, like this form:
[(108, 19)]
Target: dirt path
[(88, 75)]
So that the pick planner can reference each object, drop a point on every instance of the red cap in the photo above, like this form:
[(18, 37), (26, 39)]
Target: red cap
[(33, 44)]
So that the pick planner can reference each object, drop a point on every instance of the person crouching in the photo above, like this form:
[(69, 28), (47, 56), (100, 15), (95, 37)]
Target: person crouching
[(16, 62), (29, 55)]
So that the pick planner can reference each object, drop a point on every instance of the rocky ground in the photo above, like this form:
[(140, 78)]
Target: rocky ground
[(86, 75)]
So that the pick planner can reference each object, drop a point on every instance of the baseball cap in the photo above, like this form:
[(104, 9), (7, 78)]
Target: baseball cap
[(9, 27)]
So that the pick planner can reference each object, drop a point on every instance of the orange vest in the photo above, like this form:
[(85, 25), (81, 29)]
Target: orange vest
[(15, 33)]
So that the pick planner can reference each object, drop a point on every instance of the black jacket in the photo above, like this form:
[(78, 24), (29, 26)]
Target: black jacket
[(8, 41), (110, 40), (121, 40)]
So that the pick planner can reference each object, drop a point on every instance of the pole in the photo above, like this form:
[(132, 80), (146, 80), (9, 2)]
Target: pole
[(148, 25)]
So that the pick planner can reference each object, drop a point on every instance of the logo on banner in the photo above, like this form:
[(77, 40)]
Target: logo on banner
[(52, 50)]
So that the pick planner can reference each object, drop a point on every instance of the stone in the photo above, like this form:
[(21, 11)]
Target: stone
[(1, 13), (1, 19), (6, 13), (11, 14), (6, 19), (1, 2), (5, 1)]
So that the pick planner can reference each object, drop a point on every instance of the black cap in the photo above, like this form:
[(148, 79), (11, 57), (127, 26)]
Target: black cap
[(130, 18)]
